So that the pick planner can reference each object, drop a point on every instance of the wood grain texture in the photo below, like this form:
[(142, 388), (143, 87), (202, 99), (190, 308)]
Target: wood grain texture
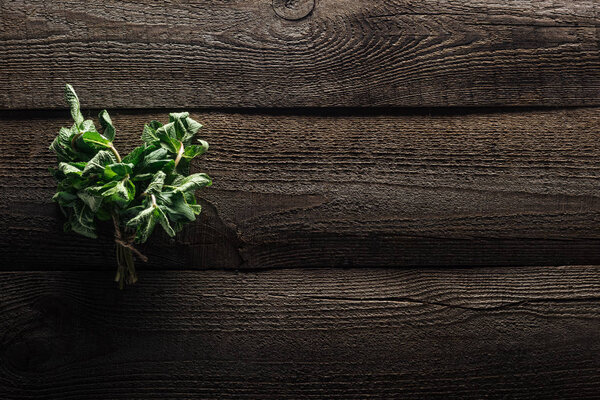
[(440, 333), (296, 190), (344, 53)]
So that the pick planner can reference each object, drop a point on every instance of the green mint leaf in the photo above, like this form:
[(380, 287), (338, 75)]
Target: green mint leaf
[(94, 138), (170, 144), (107, 126), (65, 199), (81, 220), (155, 161), (149, 132), (117, 171), (156, 155), (163, 221), (180, 129), (73, 101), (192, 126), (99, 161), (168, 137), (103, 214), (70, 169), (136, 155), (185, 127), (119, 192), (178, 116), (91, 197), (142, 177), (155, 124), (183, 168), (149, 135), (143, 214), (88, 126), (143, 223), (62, 145), (176, 207), (155, 186), (195, 150), (193, 182)]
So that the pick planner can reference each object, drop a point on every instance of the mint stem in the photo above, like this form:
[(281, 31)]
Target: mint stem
[(115, 152), (179, 155), (125, 265)]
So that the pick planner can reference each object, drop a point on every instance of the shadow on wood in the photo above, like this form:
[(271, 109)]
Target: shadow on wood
[(521, 332)]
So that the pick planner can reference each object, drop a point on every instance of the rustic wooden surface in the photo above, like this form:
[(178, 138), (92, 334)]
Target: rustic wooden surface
[(387, 333), (344, 53), (514, 187), (492, 200)]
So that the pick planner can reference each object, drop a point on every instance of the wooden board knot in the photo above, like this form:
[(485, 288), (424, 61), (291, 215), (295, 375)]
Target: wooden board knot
[(293, 9)]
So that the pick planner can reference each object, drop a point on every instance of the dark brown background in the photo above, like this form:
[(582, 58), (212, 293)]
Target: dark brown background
[(405, 205)]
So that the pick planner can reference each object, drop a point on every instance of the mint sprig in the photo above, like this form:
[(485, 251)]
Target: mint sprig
[(150, 186)]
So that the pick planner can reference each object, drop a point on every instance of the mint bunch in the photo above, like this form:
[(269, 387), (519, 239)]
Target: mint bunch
[(150, 186)]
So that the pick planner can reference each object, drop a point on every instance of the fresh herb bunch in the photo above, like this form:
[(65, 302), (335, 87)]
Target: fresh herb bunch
[(149, 186)]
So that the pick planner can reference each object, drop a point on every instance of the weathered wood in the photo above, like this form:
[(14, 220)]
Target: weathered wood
[(344, 53), (482, 188), (436, 333)]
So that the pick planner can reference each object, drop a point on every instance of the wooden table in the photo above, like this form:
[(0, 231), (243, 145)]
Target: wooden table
[(406, 201)]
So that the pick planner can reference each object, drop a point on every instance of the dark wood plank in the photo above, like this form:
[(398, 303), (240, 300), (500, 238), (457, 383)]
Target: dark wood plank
[(344, 53), (482, 188), (440, 333)]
